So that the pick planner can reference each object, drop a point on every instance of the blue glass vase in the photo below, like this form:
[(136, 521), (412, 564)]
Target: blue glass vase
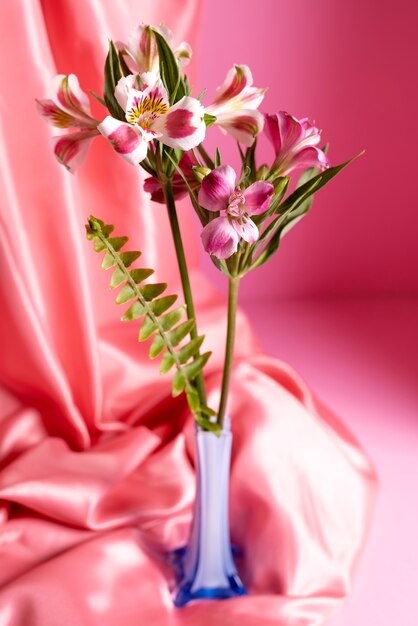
[(205, 567)]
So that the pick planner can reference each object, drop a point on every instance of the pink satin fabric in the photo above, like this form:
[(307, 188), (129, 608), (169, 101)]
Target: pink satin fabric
[(96, 458)]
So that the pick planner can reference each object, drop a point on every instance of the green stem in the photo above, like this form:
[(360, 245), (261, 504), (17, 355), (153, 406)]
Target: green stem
[(184, 275), (208, 161), (229, 349)]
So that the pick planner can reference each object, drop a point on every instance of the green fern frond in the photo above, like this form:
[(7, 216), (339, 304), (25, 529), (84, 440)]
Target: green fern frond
[(165, 325)]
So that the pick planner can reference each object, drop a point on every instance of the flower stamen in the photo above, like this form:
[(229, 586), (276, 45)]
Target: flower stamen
[(146, 109)]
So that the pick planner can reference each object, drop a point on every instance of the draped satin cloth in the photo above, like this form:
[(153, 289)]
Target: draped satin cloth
[(96, 458)]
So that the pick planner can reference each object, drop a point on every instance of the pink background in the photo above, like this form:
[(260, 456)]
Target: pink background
[(339, 302)]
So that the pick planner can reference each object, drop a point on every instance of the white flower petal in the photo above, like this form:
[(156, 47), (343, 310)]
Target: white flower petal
[(128, 141), (183, 126)]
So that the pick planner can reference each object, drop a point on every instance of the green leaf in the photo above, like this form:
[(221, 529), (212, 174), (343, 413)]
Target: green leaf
[(205, 410), (207, 424), (250, 160), (179, 383), (125, 294), (158, 345), (135, 311), (280, 187), (99, 245), (167, 363), (117, 242), (196, 366), (193, 399), (162, 304), (138, 275), (179, 333), (108, 261), (186, 86), (221, 265), (190, 349), (152, 291), (118, 277), (170, 319), (209, 119), (148, 327), (169, 69), (128, 258), (217, 161), (312, 186), (112, 75), (107, 229)]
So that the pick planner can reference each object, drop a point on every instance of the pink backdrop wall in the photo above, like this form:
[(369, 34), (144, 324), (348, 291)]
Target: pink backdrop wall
[(349, 66)]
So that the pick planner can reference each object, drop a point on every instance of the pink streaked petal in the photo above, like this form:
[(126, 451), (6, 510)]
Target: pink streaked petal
[(142, 47), (71, 149), (243, 125), (291, 130), (126, 140), (220, 238), (272, 132), (56, 116), (309, 157), (70, 97), (183, 126), (251, 98), (309, 127), (257, 197), (246, 229), (237, 79), (217, 188)]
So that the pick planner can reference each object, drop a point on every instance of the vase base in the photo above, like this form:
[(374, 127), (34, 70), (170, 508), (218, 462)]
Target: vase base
[(185, 592)]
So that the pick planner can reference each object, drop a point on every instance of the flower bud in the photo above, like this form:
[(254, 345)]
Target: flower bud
[(263, 172), (200, 172)]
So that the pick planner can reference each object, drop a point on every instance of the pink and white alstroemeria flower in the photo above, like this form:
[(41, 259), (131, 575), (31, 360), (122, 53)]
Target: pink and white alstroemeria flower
[(149, 116), (236, 103), (295, 143), (69, 108), (218, 193), (143, 52)]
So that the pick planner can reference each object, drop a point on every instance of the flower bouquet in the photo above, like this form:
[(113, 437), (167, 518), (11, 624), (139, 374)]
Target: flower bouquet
[(153, 120)]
